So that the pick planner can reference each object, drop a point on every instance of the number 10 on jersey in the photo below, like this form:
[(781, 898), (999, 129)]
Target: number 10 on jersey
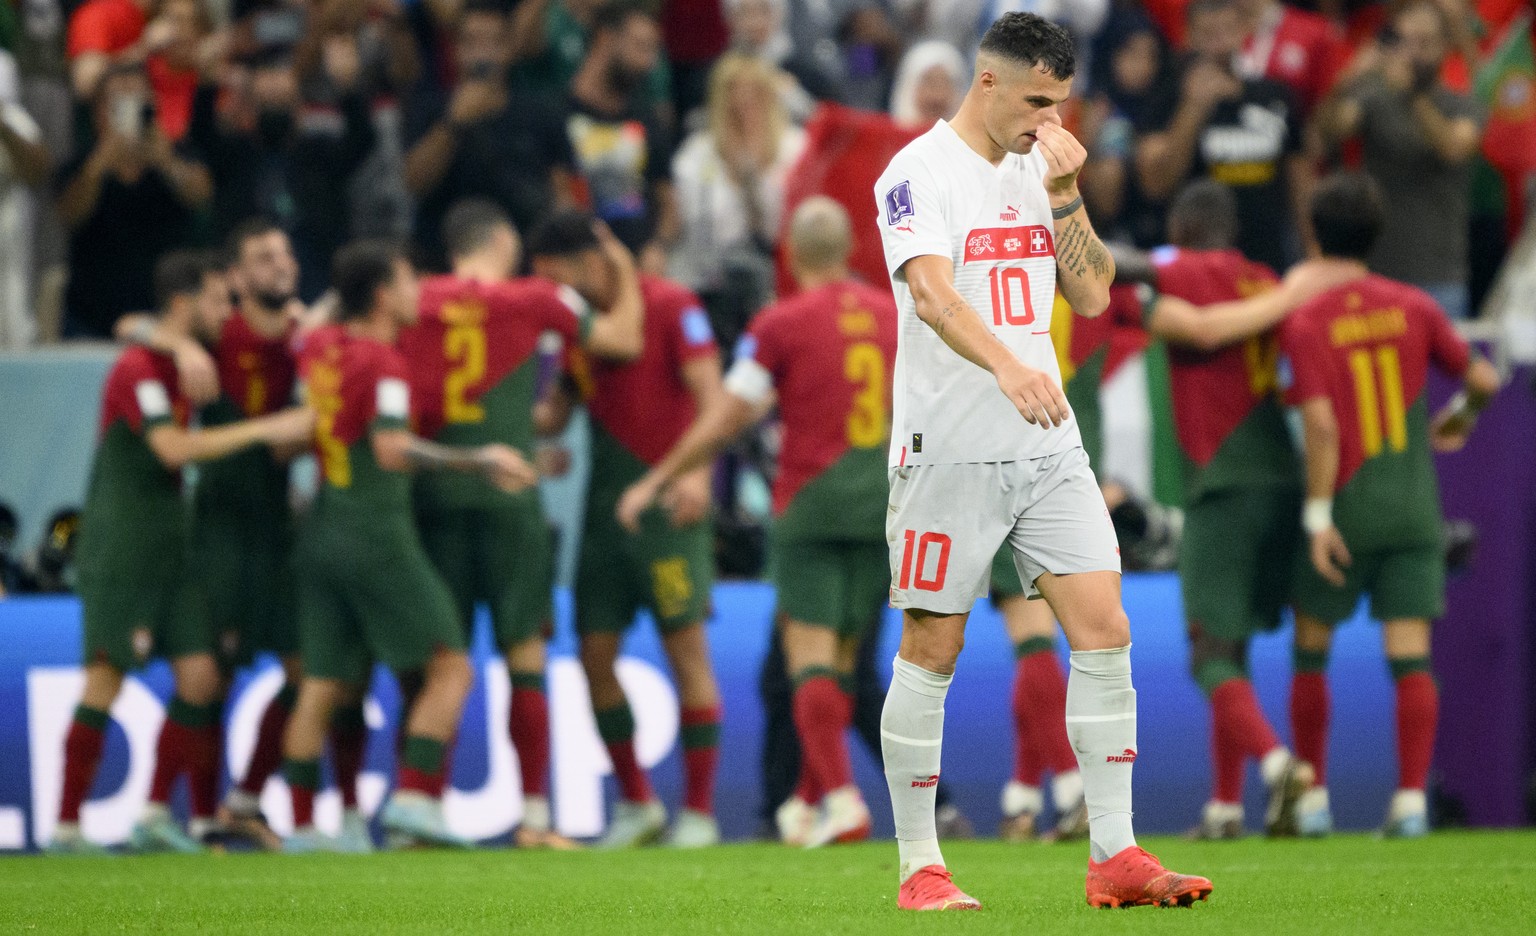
[(1005, 282)]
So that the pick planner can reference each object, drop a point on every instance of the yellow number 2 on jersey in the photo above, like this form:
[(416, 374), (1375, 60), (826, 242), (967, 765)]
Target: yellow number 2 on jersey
[(868, 420), (464, 346)]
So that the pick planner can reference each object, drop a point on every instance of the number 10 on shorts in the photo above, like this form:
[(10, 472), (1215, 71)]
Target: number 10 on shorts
[(916, 559)]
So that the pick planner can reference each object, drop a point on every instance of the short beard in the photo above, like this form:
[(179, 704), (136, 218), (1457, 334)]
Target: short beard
[(272, 301)]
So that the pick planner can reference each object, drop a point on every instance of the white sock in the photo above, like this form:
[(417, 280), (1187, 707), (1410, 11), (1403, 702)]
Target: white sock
[(1101, 722), (911, 733)]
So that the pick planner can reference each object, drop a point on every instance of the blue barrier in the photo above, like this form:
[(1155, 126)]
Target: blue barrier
[(39, 684)]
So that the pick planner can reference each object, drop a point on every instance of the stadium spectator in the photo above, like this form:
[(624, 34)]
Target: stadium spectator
[(730, 193), (1243, 132), (961, 22), (1131, 74), (104, 33), (173, 71), (273, 157), (24, 162), (1300, 49), (127, 201), (552, 38), (695, 35), (929, 84), (1418, 138), (760, 28), (621, 137), (486, 138)]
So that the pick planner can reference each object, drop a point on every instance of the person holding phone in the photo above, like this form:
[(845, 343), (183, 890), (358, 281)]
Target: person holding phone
[(130, 196)]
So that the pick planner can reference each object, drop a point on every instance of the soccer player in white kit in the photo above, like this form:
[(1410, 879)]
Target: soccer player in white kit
[(980, 217)]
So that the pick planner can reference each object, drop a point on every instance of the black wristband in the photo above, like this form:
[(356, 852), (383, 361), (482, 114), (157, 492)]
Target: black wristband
[(1068, 209)]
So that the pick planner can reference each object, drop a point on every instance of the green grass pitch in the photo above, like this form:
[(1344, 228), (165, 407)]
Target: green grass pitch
[(1449, 883)]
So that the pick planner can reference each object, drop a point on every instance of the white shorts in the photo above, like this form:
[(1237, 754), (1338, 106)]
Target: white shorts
[(946, 523)]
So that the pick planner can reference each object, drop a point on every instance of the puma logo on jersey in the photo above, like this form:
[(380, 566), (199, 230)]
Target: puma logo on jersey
[(1009, 213)]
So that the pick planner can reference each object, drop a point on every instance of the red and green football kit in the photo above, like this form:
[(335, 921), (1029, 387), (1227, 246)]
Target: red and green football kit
[(827, 353), (136, 596), (473, 358), (366, 587), (242, 522), (1367, 348), (639, 410)]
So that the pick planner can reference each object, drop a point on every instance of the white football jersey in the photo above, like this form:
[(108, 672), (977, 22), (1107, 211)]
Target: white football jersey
[(939, 196)]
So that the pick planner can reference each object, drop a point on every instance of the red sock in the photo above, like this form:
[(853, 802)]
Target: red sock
[(701, 756), (171, 758), (634, 785), (82, 755), (528, 725), (1028, 765), (1239, 731), (1418, 708), (268, 755), (349, 742), (821, 719), (303, 806), (203, 770), (1309, 720), (1041, 689)]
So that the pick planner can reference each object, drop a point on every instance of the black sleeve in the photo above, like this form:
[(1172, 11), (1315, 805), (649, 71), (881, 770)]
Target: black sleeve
[(659, 146), (358, 136), (424, 107)]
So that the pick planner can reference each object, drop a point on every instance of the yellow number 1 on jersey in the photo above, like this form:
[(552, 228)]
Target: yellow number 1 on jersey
[(1379, 402), (864, 367), (464, 346)]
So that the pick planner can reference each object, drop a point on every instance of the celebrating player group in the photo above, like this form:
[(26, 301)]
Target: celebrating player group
[(931, 454)]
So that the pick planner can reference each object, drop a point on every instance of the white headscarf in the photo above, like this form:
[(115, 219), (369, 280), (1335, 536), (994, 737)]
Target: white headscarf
[(914, 65)]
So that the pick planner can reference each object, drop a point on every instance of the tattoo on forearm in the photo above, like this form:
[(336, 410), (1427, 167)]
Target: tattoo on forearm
[(1071, 249), (947, 315), (1098, 257), (430, 456)]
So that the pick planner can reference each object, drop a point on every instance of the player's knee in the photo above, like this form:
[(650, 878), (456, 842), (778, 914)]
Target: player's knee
[(103, 681), (197, 680), (1215, 660), (451, 672)]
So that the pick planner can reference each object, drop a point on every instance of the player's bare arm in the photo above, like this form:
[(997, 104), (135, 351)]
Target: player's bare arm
[(1084, 267), (687, 498), (932, 281), (1320, 434), (1215, 326), (1453, 424), (501, 465), (176, 447), (711, 432), (618, 334), (196, 373)]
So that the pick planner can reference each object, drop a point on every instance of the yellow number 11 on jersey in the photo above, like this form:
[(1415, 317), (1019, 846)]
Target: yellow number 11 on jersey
[(1379, 402)]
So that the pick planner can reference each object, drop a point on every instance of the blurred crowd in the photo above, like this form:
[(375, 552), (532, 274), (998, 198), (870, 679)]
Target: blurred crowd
[(132, 127)]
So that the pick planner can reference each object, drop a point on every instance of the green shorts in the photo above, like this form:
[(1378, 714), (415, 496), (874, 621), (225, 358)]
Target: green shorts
[(837, 585), (503, 557), (1406, 583), (137, 599), (1236, 559), (369, 592), (243, 564), (665, 570), (1005, 581)]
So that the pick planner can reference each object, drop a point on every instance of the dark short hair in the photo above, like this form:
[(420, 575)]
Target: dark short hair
[(469, 224), (181, 273), (562, 234), (1348, 212), (358, 272), (1203, 216), (613, 17), (1030, 40), (248, 230)]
